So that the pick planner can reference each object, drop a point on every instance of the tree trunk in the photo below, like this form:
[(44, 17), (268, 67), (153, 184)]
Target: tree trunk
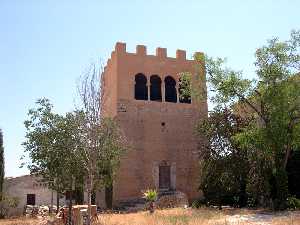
[(51, 207), (109, 196), (70, 208), (89, 192), (243, 193), (151, 207), (287, 156), (57, 202)]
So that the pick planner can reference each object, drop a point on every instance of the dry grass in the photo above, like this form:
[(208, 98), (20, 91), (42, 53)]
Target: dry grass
[(178, 216), (162, 217), (201, 217), (20, 221)]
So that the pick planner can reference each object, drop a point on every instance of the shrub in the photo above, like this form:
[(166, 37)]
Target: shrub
[(293, 203), (198, 203), (251, 202), (280, 192), (7, 203), (150, 195)]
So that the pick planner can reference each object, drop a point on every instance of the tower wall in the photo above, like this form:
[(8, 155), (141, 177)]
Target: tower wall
[(157, 132)]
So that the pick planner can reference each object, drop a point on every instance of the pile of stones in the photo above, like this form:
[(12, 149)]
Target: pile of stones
[(34, 210), (172, 200), (31, 210)]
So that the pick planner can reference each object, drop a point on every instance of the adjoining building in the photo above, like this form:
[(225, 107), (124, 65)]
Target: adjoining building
[(142, 92), (29, 191)]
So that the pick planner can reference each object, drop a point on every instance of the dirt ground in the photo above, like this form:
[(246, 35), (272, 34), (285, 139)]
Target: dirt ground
[(180, 216)]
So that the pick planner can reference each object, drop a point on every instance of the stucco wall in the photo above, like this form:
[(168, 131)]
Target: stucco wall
[(21, 186), (156, 131)]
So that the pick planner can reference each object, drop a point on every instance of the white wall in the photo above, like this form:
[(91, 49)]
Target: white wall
[(21, 186)]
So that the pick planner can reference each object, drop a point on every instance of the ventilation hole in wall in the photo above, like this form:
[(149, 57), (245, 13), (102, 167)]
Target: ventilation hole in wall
[(163, 124)]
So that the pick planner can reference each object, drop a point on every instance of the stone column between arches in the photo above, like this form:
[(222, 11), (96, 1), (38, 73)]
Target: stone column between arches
[(163, 90), (177, 92), (148, 88)]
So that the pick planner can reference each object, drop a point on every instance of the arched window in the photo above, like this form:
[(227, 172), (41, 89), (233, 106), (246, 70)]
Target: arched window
[(170, 89), (185, 89), (140, 88), (155, 88)]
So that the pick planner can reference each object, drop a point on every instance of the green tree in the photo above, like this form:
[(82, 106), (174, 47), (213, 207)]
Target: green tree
[(225, 166), (52, 144), (272, 99)]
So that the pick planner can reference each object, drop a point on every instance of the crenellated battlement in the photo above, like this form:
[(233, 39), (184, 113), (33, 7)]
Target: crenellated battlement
[(141, 50)]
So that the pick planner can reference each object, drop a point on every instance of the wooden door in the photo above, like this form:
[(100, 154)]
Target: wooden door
[(164, 177)]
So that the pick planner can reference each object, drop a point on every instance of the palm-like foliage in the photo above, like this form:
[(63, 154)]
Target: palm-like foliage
[(150, 195)]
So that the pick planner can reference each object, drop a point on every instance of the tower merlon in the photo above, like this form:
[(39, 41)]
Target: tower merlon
[(120, 47), (161, 53), (180, 54), (141, 50)]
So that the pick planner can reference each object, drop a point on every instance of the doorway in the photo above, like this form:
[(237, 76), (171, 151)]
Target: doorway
[(164, 177), (30, 199)]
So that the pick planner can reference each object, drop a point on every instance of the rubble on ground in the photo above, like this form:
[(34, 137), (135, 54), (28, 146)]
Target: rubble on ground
[(42, 210), (172, 200)]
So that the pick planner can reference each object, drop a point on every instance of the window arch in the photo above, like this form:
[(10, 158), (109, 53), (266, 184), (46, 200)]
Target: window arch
[(185, 89), (170, 89), (140, 88), (155, 88)]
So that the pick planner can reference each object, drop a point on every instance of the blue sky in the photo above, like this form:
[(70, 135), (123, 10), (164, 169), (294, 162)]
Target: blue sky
[(45, 45)]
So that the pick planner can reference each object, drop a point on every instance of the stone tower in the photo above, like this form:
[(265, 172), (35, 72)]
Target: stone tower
[(142, 92)]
